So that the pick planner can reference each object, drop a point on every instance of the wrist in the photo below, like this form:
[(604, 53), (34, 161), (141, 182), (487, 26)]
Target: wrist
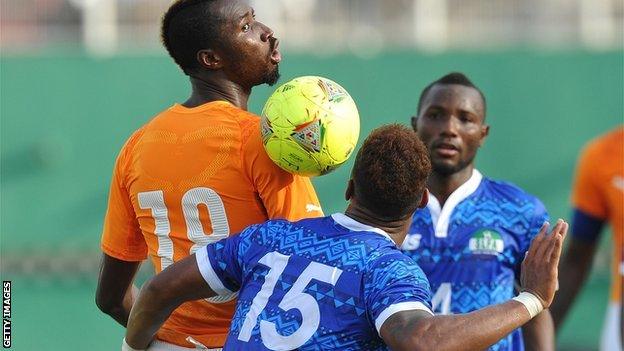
[(126, 347), (531, 302)]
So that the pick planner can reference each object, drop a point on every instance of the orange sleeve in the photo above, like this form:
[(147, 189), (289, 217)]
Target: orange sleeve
[(587, 194), (122, 237), (283, 194)]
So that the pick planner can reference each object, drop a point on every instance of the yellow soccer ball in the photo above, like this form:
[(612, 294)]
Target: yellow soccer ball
[(310, 126)]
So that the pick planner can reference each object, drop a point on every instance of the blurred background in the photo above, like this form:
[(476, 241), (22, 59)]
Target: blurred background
[(77, 77)]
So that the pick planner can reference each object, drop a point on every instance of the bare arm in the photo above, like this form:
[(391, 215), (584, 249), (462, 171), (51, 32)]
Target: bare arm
[(161, 295), (115, 292), (577, 262), (539, 333), (417, 330)]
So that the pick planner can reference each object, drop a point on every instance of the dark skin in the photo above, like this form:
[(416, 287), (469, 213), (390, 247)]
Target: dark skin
[(115, 292), (578, 260), (407, 330), (247, 56), (451, 123)]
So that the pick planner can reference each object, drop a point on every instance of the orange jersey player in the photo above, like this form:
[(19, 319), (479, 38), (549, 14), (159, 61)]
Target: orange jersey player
[(197, 172), (598, 198)]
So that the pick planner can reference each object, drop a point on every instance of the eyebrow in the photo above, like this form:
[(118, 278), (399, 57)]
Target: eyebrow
[(439, 107), (248, 13)]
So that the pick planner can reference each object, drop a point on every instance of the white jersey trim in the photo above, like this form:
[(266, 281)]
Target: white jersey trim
[(440, 217), (610, 339), (399, 307), (356, 226), (211, 278)]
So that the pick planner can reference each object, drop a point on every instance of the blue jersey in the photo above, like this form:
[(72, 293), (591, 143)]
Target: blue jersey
[(317, 284), (472, 249)]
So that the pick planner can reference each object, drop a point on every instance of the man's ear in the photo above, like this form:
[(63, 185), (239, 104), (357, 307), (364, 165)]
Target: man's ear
[(350, 190), (209, 59), (424, 200), (414, 122), (485, 131)]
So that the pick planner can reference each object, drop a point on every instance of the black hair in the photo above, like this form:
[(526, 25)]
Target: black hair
[(189, 26), (390, 172), (451, 78)]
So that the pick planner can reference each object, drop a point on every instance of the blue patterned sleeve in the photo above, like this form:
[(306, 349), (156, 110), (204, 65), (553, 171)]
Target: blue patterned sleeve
[(395, 283), (221, 263)]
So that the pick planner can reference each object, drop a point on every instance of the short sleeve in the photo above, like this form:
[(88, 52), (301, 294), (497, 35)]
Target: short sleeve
[(221, 263), (392, 284), (284, 195), (587, 194), (122, 237)]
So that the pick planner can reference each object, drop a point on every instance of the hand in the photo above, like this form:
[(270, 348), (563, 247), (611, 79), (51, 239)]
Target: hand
[(539, 268)]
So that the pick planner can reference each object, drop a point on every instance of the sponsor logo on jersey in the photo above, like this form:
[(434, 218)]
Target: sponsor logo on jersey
[(486, 242)]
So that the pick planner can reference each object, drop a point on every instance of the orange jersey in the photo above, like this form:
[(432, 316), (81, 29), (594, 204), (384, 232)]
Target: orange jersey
[(599, 191), (190, 177)]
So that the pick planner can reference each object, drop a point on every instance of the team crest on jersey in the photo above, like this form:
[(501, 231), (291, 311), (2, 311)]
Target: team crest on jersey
[(486, 242)]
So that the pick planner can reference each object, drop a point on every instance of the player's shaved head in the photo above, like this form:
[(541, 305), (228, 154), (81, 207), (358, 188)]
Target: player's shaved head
[(453, 78), (390, 172), (189, 26)]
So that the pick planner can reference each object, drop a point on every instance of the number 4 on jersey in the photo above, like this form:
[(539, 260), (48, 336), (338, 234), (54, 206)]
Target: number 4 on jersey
[(441, 301)]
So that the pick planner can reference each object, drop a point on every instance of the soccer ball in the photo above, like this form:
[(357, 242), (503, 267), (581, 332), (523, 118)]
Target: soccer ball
[(310, 126)]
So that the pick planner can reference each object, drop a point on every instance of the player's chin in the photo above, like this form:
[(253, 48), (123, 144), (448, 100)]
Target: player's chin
[(445, 166), (272, 76)]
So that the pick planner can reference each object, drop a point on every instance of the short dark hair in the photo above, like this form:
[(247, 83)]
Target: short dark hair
[(187, 27), (451, 78), (390, 172)]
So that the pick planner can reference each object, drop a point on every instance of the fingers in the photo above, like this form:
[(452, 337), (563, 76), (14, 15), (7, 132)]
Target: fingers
[(558, 247), (537, 241), (556, 240), (544, 246)]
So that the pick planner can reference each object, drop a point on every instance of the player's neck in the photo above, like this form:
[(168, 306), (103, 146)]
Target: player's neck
[(396, 229), (443, 185), (216, 88)]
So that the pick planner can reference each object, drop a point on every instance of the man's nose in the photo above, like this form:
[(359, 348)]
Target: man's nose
[(449, 126), (267, 33)]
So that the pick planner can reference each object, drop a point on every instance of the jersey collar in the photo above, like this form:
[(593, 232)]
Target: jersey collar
[(440, 217), (356, 226)]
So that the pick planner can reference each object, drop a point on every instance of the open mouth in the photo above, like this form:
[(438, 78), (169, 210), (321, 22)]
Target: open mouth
[(446, 149), (276, 55)]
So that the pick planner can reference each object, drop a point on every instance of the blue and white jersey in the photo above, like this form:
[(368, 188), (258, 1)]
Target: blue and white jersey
[(318, 284), (472, 248)]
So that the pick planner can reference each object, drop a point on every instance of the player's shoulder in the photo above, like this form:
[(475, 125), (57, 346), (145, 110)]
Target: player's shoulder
[(509, 192), (274, 230), (130, 144), (248, 121), (608, 139), (392, 264), (605, 144)]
